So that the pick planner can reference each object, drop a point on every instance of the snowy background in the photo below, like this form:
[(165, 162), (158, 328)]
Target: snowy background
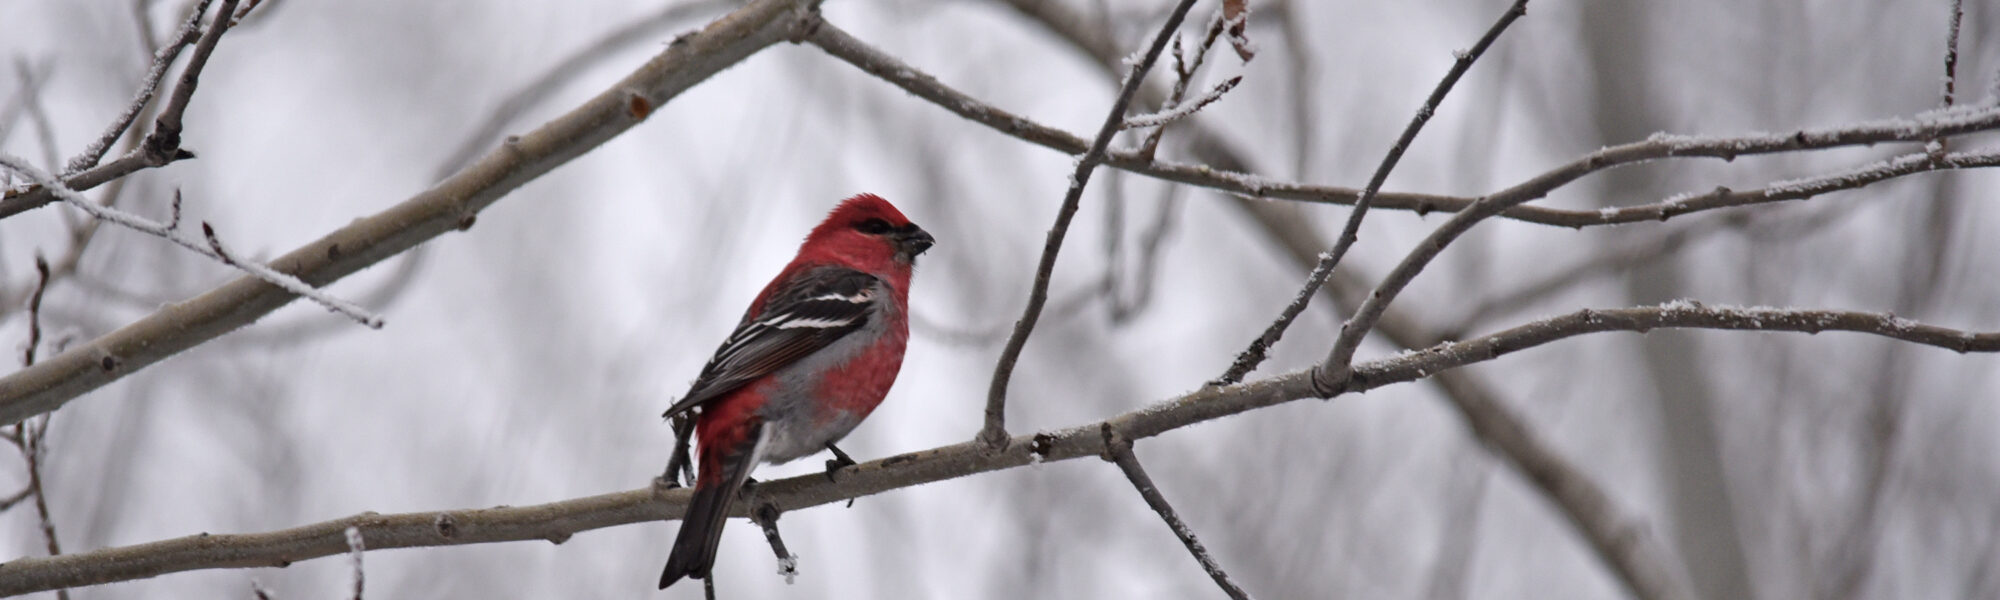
[(527, 360)]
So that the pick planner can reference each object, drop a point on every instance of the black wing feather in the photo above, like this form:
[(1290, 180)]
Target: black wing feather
[(818, 308)]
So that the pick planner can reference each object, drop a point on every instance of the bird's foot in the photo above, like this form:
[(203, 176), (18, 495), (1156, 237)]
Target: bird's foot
[(839, 461)]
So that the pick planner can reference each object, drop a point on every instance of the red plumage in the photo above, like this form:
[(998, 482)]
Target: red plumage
[(815, 353)]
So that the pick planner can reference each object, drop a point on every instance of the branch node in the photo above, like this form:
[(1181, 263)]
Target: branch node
[(447, 527)]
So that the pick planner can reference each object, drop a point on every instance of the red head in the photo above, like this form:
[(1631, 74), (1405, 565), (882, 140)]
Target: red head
[(868, 234)]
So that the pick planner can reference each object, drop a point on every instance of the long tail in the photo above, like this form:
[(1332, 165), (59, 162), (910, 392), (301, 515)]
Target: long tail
[(714, 490)]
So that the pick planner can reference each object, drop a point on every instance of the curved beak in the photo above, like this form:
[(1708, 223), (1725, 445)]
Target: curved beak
[(912, 240)]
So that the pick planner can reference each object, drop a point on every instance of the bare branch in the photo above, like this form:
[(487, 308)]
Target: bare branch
[(212, 249), (1676, 314), (1632, 551), (1119, 450), (30, 439), (35, 311), (242, 13), (16, 107), (565, 70), (288, 282), (994, 434), (163, 58), (1951, 53), (449, 205), (766, 517), (1254, 355), (165, 140), (354, 551), (45, 130), (18, 202), (162, 146), (1182, 110), (10, 501), (1924, 127), (556, 521)]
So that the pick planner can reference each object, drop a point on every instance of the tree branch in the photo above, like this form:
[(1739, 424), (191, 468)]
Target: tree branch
[(163, 58), (1254, 355), (161, 147), (211, 249), (1923, 127), (570, 67), (1963, 121), (1677, 314), (556, 521), (1119, 450), (450, 205), (1633, 552), (994, 433)]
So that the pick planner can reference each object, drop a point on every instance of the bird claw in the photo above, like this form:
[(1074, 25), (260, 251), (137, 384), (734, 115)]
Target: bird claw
[(839, 461)]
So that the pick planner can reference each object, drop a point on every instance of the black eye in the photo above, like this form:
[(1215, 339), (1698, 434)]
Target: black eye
[(873, 227)]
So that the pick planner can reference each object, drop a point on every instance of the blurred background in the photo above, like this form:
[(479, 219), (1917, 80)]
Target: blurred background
[(527, 360)]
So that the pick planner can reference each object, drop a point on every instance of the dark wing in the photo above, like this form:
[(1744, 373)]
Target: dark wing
[(809, 314)]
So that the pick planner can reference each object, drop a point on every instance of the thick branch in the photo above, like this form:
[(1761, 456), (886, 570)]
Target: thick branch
[(556, 521), (451, 204)]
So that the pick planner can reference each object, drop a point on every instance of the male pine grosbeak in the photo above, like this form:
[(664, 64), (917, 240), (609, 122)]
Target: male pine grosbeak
[(816, 352)]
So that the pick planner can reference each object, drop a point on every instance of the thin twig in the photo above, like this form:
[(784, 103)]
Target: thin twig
[(35, 311), (210, 246), (1182, 110), (1630, 550), (10, 501), (165, 139), (1357, 326), (1184, 72), (994, 434), (161, 146), (1301, 80), (354, 551), (32, 440), (18, 202), (45, 129), (17, 107), (1254, 355), (1151, 241), (241, 13), (766, 517), (163, 58), (1677, 314), (1119, 450), (1923, 128), (1951, 53)]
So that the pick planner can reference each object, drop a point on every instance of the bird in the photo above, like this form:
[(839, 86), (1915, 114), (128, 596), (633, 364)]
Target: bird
[(815, 353)]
